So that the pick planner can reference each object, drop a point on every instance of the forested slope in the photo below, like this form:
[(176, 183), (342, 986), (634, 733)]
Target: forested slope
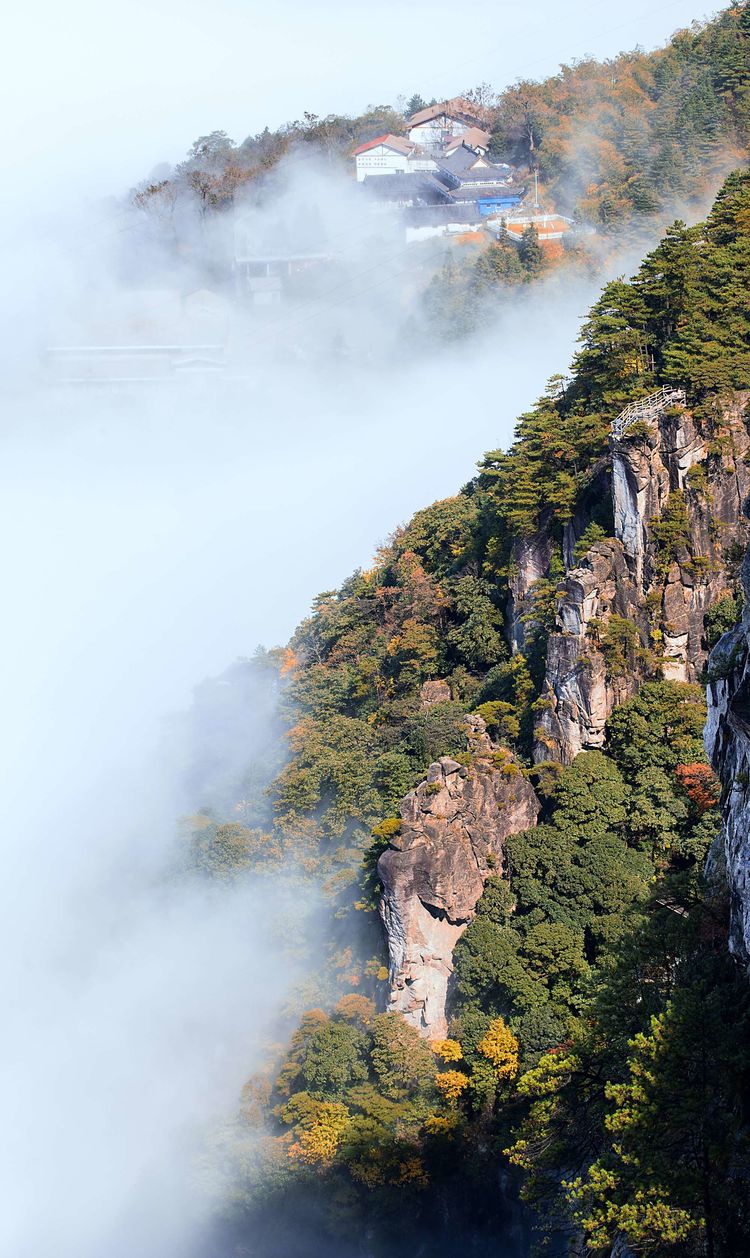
[(597, 1026), (634, 135), (621, 146), (611, 140)]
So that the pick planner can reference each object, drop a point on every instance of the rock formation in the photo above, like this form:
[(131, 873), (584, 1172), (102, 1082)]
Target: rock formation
[(644, 472), (727, 740), (433, 692), (455, 823), (454, 826), (529, 562), (578, 693), (623, 577)]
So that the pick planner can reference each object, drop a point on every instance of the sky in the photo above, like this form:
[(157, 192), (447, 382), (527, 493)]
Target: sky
[(106, 92)]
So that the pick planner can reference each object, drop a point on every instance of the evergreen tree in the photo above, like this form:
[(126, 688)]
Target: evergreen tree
[(530, 251)]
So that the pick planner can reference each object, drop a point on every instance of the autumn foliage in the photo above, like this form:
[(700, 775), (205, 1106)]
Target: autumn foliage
[(700, 785), (451, 1084), (317, 1143), (500, 1046), (447, 1050)]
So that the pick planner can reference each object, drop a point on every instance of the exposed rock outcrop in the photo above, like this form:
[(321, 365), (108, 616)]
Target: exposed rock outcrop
[(727, 739), (578, 693), (433, 692), (454, 827), (529, 563), (627, 577), (633, 606), (643, 475)]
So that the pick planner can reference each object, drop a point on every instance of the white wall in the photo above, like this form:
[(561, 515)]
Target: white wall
[(421, 163), (380, 161), (413, 234), (430, 134)]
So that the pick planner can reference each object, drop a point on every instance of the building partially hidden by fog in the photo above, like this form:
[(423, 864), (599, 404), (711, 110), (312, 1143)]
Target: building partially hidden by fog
[(130, 364), (275, 255), (266, 278)]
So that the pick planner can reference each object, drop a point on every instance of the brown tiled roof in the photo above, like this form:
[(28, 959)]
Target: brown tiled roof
[(549, 223), (458, 107), (476, 139)]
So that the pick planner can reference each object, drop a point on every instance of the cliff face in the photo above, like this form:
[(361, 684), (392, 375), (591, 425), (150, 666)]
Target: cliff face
[(579, 693), (728, 747), (633, 606), (453, 830), (529, 562), (629, 578)]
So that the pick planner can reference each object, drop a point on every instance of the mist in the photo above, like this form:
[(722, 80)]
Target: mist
[(153, 535), (156, 532)]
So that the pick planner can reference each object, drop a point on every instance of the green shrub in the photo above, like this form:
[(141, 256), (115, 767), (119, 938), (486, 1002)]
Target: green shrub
[(387, 828), (501, 719), (592, 533), (670, 530), (620, 644), (722, 617)]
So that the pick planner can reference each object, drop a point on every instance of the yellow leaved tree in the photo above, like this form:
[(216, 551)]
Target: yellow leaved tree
[(447, 1050), (318, 1142), (450, 1084), (500, 1046)]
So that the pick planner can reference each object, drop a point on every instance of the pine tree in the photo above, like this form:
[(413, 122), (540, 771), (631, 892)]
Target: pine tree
[(531, 252)]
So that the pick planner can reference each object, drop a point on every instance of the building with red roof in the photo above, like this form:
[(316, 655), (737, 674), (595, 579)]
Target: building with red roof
[(390, 155)]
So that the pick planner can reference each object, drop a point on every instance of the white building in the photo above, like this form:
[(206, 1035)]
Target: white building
[(425, 221), (434, 127), (272, 254), (389, 155), (549, 227), (468, 166)]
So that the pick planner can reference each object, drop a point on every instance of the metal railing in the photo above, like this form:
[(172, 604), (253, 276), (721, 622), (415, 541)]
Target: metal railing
[(647, 408)]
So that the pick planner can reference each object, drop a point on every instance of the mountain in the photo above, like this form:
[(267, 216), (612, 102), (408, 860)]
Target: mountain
[(618, 139), (610, 140), (728, 743), (620, 147), (495, 738)]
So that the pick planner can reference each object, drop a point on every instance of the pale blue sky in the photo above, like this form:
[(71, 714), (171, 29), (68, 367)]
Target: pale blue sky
[(105, 92)]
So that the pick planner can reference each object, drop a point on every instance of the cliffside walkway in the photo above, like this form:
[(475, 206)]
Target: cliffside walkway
[(647, 408)]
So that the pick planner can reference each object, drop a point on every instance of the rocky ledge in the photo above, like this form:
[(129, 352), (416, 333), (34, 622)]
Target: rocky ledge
[(626, 576), (454, 827)]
